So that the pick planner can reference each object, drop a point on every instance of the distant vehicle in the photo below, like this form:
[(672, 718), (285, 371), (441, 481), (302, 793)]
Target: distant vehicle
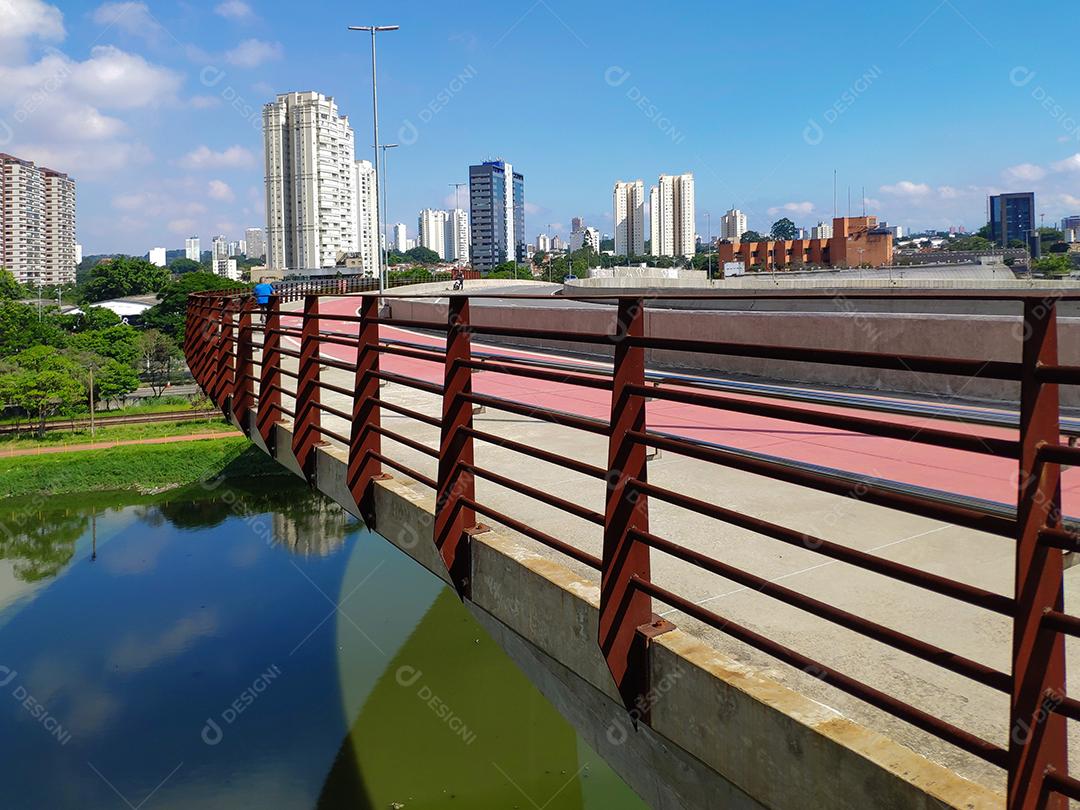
[(569, 277)]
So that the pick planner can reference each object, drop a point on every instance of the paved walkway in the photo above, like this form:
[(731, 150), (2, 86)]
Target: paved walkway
[(976, 558), (72, 448)]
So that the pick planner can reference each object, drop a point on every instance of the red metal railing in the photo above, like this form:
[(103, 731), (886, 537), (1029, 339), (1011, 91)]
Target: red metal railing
[(221, 348)]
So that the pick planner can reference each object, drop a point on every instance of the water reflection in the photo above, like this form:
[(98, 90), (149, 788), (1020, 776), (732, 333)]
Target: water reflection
[(153, 663)]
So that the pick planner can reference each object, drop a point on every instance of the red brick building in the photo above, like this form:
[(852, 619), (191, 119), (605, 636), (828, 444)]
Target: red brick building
[(856, 241)]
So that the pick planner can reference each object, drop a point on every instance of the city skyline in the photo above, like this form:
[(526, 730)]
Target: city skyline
[(95, 90)]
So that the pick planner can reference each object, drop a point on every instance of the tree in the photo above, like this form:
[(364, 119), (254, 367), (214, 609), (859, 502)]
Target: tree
[(157, 352), (168, 314), (984, 231), (1057, 265), (9, 287), (124, 275), (783, 229), (114, 381), (423, 255), (969, 243), (184, 265), (751, 236), (44, 383), (22, 328), (119, 342)]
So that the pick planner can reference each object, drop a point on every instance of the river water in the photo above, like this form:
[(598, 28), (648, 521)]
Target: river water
[(252, 646)]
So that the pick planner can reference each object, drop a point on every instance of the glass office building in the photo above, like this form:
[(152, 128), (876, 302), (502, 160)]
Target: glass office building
[(496, 215)]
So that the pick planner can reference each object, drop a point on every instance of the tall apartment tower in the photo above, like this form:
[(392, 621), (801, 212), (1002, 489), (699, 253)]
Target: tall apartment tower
[(255, 242), (400, 239), (431, 230), (311, 169), (37, 223), (733, 225), (628, 203), (366, 226), (671, 205), (457, 235), (193, 249), (496, 214)]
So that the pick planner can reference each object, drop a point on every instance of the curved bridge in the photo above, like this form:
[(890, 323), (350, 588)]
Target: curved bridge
[(695, 574)]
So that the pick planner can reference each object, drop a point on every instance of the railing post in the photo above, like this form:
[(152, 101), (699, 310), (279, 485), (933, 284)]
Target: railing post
[(225, 373), (364, 441), (455, 522), (623, 607), (268, 413), (243, 385), (1037, 734), (305, 435)]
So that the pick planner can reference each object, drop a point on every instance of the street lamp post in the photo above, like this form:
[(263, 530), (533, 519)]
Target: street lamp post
[(382, 183), (374, 29)]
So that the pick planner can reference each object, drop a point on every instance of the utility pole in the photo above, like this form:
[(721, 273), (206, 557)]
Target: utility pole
[(708, 244), (375, 29), (382, 183)]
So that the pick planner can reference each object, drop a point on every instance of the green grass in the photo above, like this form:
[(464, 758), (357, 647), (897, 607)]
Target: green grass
[(115, 433), (142, 467), (163, 405)]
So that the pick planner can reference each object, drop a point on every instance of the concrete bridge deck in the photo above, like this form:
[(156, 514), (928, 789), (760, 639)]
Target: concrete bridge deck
[(978, 559)]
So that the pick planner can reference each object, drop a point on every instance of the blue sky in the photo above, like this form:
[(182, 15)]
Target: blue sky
[(154, 107)]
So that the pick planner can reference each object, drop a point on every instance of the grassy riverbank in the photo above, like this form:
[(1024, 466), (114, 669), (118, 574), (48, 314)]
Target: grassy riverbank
[(140, 467), (116, 433)]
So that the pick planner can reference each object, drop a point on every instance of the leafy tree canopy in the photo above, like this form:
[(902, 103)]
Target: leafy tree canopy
[(124, 275), (751, 236), (21, 327), (1057, 265), (168, 315), (184, 265), (784, 229), (9, 287)]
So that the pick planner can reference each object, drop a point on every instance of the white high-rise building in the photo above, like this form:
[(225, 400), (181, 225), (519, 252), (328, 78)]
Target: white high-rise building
[(457, 235), (226, 267), (156, 256), (401, 238), (367, 216), (192, 249), (431, 227), (821, 231), (219, 248), (585, 235), (37, 223), (628, 203), (733, 225), (671, 205), (311, 178), (255, 243), (543, 242)]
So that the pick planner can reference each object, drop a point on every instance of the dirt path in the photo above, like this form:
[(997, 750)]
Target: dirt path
[(68, 448)]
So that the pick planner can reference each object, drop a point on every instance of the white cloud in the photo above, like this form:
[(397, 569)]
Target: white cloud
[(115, 79), (793, 208), (23, 19), (184, 227), (907, 189), (1069, 200), (204, 102), (1025, 171), (253, 52), (157, 204), (234, 10), (99, 159), (219, 190), (235, 157), (1070, 164), (131, 17)]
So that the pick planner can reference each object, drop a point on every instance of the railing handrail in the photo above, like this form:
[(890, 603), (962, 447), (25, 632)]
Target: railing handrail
[(219, 345)]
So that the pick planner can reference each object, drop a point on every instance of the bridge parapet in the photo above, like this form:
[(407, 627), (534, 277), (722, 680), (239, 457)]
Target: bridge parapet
[(227, 336)]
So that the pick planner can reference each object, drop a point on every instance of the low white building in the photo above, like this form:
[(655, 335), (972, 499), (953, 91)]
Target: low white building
[(157, 256)]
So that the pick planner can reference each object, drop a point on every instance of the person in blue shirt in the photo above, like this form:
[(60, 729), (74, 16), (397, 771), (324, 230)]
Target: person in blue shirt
[(263, 291)]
